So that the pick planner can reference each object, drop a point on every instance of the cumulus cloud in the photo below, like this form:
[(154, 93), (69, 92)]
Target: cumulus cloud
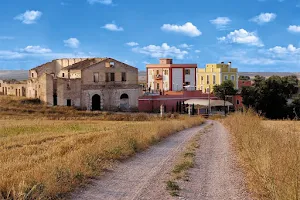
[(185, 46), (132, 44), (220, 22), (72, 43), (242, 37), (36, 49), (112, 27), (264, 18), (294, 29), (279, 51), (8, 55), (161, 51), (105, 2), (187, 29), (29, 17), (197, 51)]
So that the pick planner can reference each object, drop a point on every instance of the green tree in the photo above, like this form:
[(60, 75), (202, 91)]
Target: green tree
[(225, 89), (269, 96), (244, 78)]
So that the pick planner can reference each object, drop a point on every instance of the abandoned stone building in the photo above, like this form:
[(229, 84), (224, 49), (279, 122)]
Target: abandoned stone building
[(85, 83), (13, 88)]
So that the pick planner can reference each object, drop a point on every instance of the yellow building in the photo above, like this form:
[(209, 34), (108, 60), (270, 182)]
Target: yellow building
[(215, 74)]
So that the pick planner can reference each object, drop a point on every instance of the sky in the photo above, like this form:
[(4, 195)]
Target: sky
[(255, 35)]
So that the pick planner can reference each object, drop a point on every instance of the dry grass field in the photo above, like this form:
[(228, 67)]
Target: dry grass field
[(269, 152), (47, 152)]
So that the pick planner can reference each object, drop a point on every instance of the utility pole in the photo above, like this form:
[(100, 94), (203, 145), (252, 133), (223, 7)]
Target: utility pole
[(209, 107)]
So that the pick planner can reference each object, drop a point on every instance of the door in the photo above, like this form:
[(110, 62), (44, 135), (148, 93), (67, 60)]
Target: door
[(96, 102)]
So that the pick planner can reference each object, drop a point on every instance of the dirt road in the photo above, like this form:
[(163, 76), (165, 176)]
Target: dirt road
[(144, 176)]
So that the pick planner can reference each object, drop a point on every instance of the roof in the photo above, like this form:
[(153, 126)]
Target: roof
[(85, 63), (205, 102)]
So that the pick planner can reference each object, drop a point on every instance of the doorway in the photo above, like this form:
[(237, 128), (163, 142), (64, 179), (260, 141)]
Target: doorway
[(96, 102)]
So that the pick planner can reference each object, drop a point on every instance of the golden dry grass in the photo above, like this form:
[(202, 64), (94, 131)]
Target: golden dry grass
[(269, 151), (42, 158)]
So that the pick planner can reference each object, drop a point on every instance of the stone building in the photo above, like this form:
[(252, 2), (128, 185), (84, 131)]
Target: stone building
[(86, 83), (13, 88)]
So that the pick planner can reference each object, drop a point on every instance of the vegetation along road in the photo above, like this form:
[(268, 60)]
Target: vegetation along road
[(214, 175)]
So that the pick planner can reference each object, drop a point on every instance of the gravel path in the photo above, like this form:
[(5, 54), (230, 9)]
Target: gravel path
[(215, 175), (141, 177)]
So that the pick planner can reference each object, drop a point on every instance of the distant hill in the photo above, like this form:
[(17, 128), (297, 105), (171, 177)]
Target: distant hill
[(14, 74), (23, 74)]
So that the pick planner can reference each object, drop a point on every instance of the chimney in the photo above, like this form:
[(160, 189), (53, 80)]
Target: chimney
[(229, 64)]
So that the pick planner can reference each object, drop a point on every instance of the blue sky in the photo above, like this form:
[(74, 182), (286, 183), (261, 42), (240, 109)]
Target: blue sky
[(255, 35)]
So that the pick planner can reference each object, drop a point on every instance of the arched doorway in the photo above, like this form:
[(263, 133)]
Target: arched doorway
[(96, 102), (124, 102)]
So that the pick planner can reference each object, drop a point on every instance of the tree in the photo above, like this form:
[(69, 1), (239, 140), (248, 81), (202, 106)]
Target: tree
[(225, 89), (244, 78), (270, 95)]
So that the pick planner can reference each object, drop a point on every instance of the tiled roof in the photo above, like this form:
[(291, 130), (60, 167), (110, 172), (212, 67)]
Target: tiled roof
[(85, 63)]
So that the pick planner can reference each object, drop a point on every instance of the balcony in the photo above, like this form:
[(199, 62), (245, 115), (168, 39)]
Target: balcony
[(158, 77)]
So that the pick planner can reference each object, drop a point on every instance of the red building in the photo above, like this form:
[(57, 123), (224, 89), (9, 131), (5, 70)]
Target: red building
[(152, 103), (238, 100)]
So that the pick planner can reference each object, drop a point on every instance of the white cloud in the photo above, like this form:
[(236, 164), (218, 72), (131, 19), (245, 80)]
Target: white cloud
[(185, 46), (36, 49), (112, 27), (161, 51), (221, 22), (197, 51), (242, 37), (132, 44), (264, 18), (6, 38), (290, 49), (72, 43), (29, 17), (187, 29), (146, 63), (105, 2), (294, 29), (7, 55)]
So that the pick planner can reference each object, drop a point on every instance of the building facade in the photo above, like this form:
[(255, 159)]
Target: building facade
[(13, 88), (88, 84), (215, 74), (167, 76)]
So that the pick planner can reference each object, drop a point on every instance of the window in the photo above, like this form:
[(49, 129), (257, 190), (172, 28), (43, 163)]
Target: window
[(214, 79), (187, 83), (207, 90), (63, 74), (112, 64), (39, 86), (69, 102), (166, 72), (207, 79), (157, 72), (112, 76), (202, 78), (68, 86), (187, 72), (106, 77), (124, 76), (237, 102), (157, 86), (96, 77), (232, 77), (31, 74), (226, 77)]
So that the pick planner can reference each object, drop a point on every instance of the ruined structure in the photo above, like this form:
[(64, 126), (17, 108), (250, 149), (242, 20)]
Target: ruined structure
[(88, 84)]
